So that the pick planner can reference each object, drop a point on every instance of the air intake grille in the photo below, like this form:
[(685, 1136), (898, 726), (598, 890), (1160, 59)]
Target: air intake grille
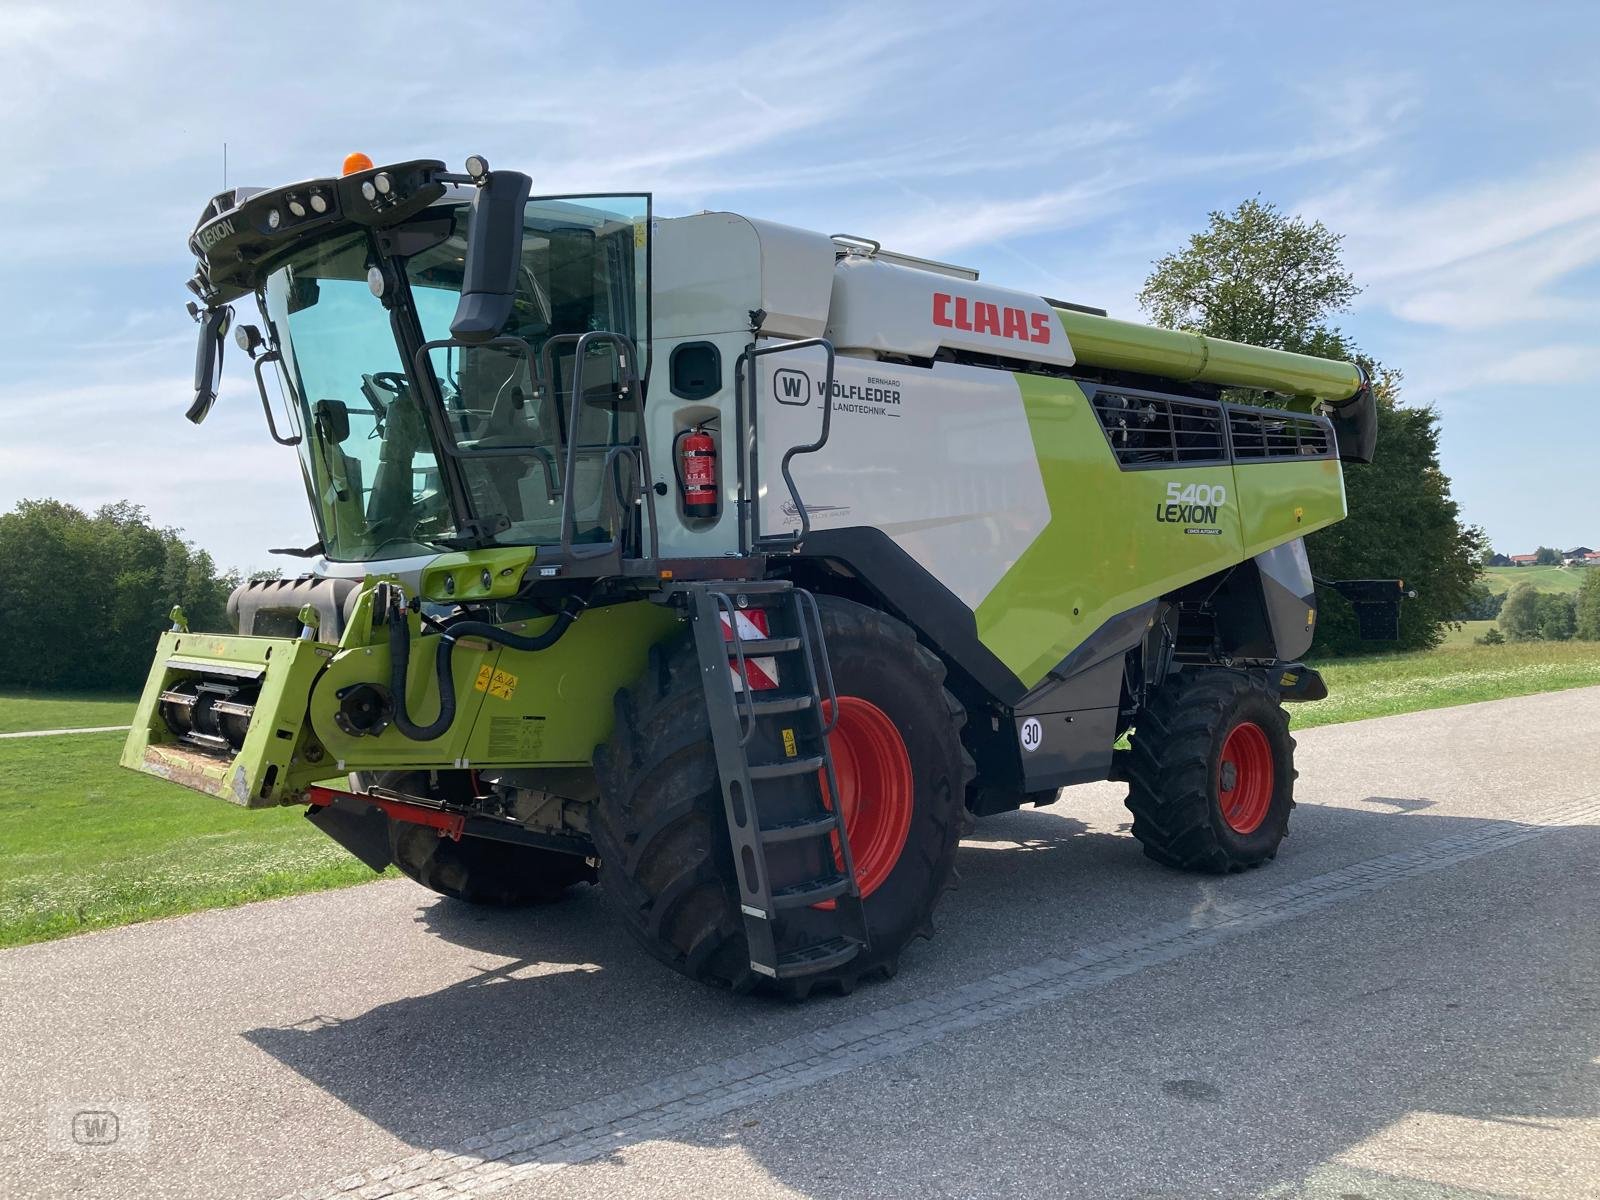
[(1260, 433), (1147, 430)]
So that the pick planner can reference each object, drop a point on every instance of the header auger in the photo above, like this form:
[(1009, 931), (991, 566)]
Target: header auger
[(736, 566)]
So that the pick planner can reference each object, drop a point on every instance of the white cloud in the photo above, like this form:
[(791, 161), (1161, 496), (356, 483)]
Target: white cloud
[(1471, 257)]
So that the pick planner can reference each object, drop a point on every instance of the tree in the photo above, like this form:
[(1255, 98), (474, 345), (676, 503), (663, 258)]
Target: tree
[(1519, 615), (1557, 619), (1545, 556), (1491, 637), (85, 596), (1588, 606), (1255, 275), (1482, 603)]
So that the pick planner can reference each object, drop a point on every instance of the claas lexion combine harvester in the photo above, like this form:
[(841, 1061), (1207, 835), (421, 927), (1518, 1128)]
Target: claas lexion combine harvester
[(738, 567)]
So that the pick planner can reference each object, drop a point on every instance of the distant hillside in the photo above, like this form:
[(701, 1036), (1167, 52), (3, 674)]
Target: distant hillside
[(1546, 579)]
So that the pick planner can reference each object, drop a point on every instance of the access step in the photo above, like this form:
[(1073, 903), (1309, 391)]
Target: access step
[(793, 831), (808, 960), (812, 891), (779, 704), (790, 766)]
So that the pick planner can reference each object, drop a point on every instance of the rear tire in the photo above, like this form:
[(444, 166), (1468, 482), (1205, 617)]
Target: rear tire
[(666, 864), (1211, 772)]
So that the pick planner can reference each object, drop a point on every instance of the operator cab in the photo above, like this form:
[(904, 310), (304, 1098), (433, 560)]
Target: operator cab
[(419, 424)]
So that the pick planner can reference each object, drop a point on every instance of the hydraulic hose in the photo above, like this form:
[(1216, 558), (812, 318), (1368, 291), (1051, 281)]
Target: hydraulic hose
[(400, 663)]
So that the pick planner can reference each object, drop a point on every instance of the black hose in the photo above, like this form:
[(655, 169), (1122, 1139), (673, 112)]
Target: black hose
[(400, 664)]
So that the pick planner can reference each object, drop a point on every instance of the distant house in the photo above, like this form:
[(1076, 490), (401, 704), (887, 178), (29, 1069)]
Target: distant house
[(1578, 556), (1499, 560), (1524, 560)]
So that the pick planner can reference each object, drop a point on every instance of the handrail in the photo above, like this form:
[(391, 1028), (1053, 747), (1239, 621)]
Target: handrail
[(456, 450), (633, 393), (541, 371), (266, 405), (751, 353)]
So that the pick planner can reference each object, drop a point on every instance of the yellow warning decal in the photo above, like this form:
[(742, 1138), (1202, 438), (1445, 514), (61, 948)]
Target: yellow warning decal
[(499, 684), (789, 749)]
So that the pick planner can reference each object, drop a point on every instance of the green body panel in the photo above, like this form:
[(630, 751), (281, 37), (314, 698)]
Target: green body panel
[(513, 707), (1104, 549), (1192, 357), (562, 701), (460, 578), (1112, 541), (277, 749), (1278, 501), (355, 663)]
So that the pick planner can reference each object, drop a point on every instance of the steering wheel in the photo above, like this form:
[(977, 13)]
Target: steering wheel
[(373, 387), (388, 381)]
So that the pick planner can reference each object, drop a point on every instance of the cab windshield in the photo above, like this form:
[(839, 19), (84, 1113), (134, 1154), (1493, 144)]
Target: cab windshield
[(372, 454)]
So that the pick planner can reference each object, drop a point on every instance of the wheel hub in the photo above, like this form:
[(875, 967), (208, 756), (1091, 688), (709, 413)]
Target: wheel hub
[(876, 794), (1245, 777)]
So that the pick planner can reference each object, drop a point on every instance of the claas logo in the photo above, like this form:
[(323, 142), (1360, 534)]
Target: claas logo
[(979, 316)]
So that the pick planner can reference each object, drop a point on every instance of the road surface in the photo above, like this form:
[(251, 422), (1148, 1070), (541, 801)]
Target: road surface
[(1405, 1005)]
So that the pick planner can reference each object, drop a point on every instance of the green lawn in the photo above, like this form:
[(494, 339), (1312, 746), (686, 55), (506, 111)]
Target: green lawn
[(1455, 673), (87, 844), (1454, 639), (62, 710), (1545, 579)]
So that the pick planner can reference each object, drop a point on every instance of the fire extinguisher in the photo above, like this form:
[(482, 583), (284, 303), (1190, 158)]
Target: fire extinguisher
[(696, 456)]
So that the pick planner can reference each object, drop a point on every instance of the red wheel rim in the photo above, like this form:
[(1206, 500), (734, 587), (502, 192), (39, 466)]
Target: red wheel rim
[(875, 791), (1245, 777)]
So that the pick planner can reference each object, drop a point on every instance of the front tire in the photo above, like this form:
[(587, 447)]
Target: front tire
[(1211, 772), (481, 870), (660, 828), (477, 870)]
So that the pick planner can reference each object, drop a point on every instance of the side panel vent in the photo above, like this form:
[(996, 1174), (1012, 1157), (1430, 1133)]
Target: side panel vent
[(1152, 430), (1267, 433)]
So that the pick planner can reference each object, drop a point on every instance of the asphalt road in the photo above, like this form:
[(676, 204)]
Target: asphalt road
[(1405, 1005)]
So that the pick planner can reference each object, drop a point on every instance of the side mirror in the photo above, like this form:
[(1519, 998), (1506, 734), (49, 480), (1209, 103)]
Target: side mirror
[(208, 361), (494, 254)]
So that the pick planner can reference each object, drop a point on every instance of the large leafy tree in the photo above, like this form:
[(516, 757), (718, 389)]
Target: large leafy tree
[(1588, 606), (84, 596), (1260, 276)]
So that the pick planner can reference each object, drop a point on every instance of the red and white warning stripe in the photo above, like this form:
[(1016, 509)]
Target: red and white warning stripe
[(762, 671)]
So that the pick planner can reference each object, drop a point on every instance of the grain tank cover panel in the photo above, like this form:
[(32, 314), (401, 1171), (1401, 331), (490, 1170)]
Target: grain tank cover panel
[(889, 309), (712, 270)]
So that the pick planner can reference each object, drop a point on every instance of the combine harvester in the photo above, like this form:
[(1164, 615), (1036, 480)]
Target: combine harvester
[(665, 551)]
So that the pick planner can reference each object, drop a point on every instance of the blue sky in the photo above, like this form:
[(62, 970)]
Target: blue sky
[(1058, 147)]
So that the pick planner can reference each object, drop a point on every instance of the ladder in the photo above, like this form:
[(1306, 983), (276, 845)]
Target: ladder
[(765, 669)]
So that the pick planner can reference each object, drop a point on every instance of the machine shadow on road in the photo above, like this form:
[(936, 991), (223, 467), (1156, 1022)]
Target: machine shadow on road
[(569, 1010)]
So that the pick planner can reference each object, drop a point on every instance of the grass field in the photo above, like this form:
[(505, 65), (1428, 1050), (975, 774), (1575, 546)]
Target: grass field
[(1456, 673), (1545, 579), (87, 844), (62, 710)]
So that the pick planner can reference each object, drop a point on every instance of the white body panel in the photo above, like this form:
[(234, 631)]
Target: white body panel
[(940, 459), (711, 271), (884, 308)]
